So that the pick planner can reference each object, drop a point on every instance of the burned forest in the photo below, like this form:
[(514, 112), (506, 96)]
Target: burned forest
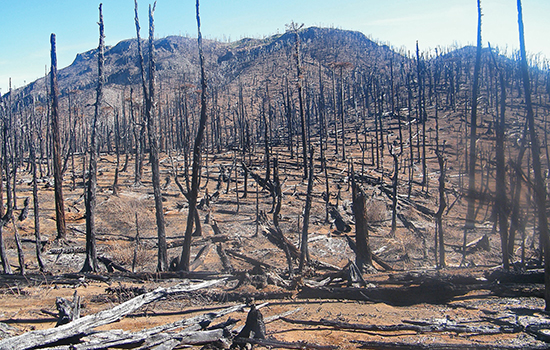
[(312, 189)]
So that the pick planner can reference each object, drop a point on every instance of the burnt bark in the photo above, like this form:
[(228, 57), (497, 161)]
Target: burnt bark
[(56, 147), (540, 190), (363, 255), (90, 264), (193, 193)]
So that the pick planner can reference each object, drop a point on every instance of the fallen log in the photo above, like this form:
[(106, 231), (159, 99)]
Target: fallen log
[(213, 239), (418, 328), (502, 276), (481, 243), (111, 265), (85, 325), (516, 290), (157, 276), (67, 250), (282, 344), (431, 291), (381, 345), (276, 237), (161, 335), (240, 296), (249, 260), (341, 224)]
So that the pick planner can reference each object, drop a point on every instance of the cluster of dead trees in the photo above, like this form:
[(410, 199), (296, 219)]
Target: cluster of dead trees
[(339, 111)]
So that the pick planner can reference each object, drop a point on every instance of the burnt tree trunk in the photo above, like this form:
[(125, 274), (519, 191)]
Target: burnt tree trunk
[(91, 264), (5, 263), (470, 215), (300, 100), (162, 256), (304, 253), (363, 255), (501, 200), (440, 238), (193, 193), (58, 175), (36, 205), (395, 178), (540, 190)]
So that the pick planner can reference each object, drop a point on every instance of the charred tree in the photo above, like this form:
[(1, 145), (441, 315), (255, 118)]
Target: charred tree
[(36, 206), (540, 190), (299, 77), (439, 237), (90, 263), (501, 201), (149, 95), (58, 175), (470, 215), (304, 253), (363, 255), (193, 193), (395, 155)]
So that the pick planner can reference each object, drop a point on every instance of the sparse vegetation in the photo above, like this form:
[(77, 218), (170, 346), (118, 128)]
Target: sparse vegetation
[(315, 161)]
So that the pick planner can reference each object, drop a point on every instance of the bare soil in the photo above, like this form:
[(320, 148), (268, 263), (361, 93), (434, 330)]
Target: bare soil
[(21, 302)]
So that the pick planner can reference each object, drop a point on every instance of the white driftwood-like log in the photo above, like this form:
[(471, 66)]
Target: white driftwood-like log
[(85, 325), (157, 336)]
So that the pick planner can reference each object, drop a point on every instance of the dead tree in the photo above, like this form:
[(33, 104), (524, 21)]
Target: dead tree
[(501, 200), (363, 255), (540, 190), (439, 236), (117, 150), (300, 95), (58, 175), (341, 66), (90, 263), (470, 215), (5, 263), (17, 237), (422, 115), (278, 197), (149, 95), (36, 206), (395, 155), (193, 193), (304, 253)]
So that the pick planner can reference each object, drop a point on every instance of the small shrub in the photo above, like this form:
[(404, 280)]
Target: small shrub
[(123, 254), (377, 211)]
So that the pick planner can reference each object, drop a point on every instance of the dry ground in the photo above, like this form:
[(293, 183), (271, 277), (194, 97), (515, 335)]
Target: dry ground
[(21, 305)]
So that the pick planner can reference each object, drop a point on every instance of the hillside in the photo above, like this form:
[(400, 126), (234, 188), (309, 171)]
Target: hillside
[(177, 57), (389, 137)]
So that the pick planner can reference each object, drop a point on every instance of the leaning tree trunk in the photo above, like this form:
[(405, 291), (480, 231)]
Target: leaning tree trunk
[(91, 264), (540, 190), (58, 175), (193, 193)]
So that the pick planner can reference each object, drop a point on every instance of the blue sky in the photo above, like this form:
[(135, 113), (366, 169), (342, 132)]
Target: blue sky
[(26, 24)]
